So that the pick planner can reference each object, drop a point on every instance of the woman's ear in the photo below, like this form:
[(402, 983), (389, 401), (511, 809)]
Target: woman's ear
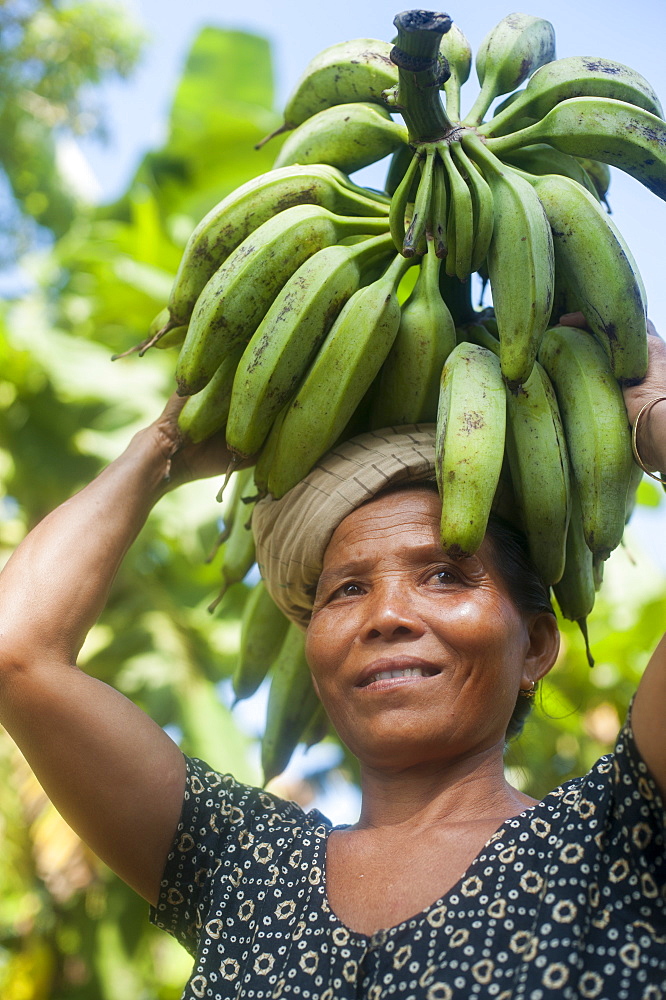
[(543, 649)]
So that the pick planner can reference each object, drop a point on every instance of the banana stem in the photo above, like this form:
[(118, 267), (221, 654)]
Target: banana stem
[(452, 94), (514, 140), (479, 152), (421, 72)]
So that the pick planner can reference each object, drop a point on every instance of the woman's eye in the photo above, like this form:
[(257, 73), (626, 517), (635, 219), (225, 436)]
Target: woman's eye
[(445, 576), (347, 590)]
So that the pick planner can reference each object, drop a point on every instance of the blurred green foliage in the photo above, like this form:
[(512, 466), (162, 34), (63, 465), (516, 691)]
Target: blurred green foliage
[(69, 930), (51, 53)]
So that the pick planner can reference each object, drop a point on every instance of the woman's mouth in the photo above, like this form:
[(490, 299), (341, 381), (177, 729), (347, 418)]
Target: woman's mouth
[(396, 673)]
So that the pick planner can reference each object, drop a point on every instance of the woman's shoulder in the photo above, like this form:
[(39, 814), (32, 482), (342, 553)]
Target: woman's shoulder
[(241, 804), (617, 790)]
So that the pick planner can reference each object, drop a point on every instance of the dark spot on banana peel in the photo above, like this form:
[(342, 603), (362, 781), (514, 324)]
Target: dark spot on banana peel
[(331, 315), (524, 71), (650, 134), (599, 66), (203, 252), (304, 196), (610, 330), (473, 421), (516, 388)]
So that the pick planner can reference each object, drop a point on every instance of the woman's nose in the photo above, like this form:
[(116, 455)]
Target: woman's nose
[(391, 614)]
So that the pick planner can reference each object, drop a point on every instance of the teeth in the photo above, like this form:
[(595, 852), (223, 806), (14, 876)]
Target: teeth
[(407, 672)]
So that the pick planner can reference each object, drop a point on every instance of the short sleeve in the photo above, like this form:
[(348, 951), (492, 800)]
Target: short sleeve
[(640, 817), (209, 851)]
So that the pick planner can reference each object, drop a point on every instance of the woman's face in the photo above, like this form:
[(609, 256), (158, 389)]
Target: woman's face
[(417, 656)]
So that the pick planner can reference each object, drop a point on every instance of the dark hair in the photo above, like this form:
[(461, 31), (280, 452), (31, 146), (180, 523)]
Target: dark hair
[(510, 553), (511, 558)]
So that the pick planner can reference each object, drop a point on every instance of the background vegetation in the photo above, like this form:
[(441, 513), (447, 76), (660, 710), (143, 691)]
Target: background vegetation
[(69, 930)]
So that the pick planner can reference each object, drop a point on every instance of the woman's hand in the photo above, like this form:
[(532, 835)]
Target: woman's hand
[(187, 461), (651, 437)]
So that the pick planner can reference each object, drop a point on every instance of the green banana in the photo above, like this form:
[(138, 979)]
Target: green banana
[(233, 506), (347, 136), (292, 702), (420, 225), (596, 428), (358, 70), (407, 387), (206, 413), (478, 333), (471, 422), (543, 159), (238, 556), (597, 266), (539, 465), (175, 337), (598, 566), (599, 173), (339, 376), (247, 207), (488, 321), (263, 629), (460, 230), (402, 196), (440, 209), (237, 297), (400, 161), (538, 462), (520, 263), (317, 728), (575, 591), (266, 455), (603, 129), (513, 49), (286, 340), (458, 53), (575, 76), (482, 203), (506, 103), (635, 480), (157, 337)]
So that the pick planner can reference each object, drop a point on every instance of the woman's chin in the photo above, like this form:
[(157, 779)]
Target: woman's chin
[(393, 748)]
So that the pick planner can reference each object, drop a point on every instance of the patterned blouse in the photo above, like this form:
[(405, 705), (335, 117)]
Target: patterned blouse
[(565, 901)]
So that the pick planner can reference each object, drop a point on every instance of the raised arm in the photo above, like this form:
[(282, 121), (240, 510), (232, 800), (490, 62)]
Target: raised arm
[(110, 770), (649, 710)]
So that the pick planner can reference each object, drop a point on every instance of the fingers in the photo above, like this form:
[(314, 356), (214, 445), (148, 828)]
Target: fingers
[(174, 405), (573, 319)]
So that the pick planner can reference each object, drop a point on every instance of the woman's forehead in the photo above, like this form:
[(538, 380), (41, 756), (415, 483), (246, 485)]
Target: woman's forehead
[(404, 514)]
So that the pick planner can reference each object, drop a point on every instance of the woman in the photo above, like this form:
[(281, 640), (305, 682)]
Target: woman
[(452, 884)]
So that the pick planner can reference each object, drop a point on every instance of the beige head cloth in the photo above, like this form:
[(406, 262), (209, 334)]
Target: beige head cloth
[(292, 533)]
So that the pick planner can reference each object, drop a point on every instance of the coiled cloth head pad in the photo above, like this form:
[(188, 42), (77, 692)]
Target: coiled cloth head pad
[(292, 533)]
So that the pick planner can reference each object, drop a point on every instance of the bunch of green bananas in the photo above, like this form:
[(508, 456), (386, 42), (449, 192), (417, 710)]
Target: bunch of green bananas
[(307, 308)]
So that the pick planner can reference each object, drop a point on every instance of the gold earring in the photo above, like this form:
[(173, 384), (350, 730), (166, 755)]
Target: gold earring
[(528, 692)]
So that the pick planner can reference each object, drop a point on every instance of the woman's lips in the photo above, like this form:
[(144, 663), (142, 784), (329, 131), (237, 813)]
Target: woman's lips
[(389, 673)]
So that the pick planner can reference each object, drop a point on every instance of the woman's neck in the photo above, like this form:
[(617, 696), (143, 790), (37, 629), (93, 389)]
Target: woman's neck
[(420, 796)]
